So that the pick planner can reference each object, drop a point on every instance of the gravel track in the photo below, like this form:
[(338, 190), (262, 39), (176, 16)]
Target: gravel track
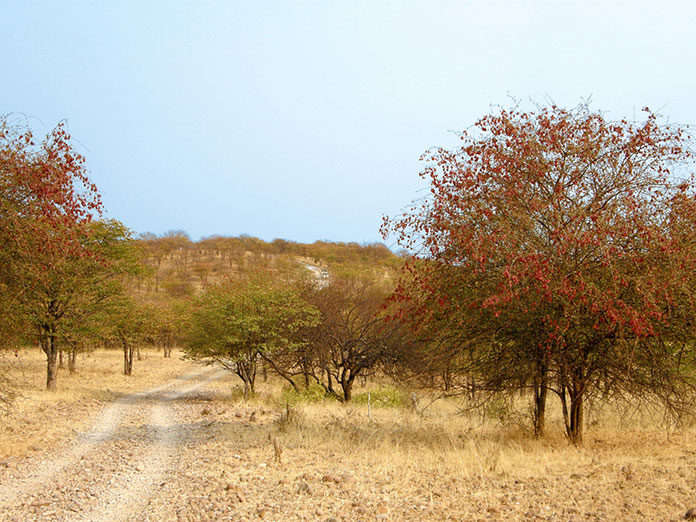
[(107, 472)]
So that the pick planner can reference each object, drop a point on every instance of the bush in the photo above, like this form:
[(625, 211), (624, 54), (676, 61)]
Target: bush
[(383, 397), (313, 393)]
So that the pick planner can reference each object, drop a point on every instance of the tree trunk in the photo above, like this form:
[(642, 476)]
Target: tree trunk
[(447, 378), (347, 390), (540, 394), (61, 364), (247, 372), (127, 358), (329, 382), (72, 360), (50, 347), (347, 379), (140, 357), (52, 366), (573, 419), (576, 419)]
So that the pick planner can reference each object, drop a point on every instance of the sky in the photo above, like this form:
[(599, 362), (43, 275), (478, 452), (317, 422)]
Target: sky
[(305, 120)]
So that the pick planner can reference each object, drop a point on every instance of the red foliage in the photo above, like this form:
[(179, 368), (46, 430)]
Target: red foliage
[(559, 216), (45, 192)]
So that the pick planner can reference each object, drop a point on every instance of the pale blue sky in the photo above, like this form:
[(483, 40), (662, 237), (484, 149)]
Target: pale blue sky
[(305, 119)]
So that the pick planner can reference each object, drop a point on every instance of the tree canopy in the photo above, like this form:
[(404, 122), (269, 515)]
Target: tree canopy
[(235, 323), (565, 240)]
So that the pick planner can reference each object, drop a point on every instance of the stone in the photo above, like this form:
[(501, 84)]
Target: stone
[(303, 487)]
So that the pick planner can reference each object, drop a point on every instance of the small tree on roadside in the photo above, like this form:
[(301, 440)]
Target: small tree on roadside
[(127, 323), (237, 323), (566, 241), (59, 304), (352, 339)]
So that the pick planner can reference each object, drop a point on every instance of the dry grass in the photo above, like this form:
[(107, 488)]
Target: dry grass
[(439, 465), (38, 420), (399, 464)]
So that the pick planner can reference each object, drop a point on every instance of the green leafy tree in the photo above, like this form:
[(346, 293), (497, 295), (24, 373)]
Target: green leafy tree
[(237, 323), (128, 323), (60, 302)]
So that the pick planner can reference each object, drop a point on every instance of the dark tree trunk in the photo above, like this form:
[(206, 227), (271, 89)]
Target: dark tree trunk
[(573, 418), (576, 418), (61, 364), (246, 370), (540, 393), (446, 379), (50, 347), (347, 379), (140, 357), (329, 382), (52, 366), (52, 372)]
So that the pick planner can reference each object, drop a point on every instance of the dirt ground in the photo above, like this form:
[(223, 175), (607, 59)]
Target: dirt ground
[(176, 442)]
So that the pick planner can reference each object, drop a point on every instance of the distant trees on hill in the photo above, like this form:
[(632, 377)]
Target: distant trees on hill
[(182, 267)]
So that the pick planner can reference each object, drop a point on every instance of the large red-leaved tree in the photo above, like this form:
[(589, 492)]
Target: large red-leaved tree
[(559, 247)]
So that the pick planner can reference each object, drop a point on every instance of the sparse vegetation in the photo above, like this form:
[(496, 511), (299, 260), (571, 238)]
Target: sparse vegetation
[(554, 257), (416, 465)]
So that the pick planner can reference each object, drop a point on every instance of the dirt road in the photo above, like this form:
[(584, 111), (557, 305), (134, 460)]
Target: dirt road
[(110, 471)]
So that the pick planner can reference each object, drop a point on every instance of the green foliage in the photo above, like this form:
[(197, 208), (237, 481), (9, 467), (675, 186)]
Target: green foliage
[(383, 397), (310, 394), (234, 322)]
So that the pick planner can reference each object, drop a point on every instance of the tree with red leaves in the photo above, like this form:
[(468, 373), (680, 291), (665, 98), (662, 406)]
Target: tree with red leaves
[(556, 252), (46, 201)]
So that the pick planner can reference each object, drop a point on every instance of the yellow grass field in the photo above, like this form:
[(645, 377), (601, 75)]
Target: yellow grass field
[(336, 463)]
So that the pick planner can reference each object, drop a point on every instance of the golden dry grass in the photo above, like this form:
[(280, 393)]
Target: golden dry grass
[(399, 464), (438, 465)]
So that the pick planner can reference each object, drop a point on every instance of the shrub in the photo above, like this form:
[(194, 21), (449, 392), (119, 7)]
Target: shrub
[(383, 397)]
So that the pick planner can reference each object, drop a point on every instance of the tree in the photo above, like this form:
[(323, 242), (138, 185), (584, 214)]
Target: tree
[(352, 338), (166, 323), (236, 323), (45, 199), (46, 205), (564, 242), (128, 323), (61, 303)]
